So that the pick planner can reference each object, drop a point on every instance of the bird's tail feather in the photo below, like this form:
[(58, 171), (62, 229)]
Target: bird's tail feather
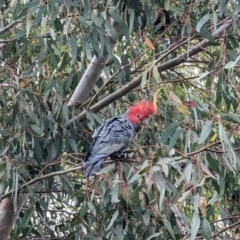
[(93, 164)]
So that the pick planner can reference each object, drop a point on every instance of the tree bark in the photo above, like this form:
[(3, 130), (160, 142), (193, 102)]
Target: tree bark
[(8, 216), (92, 73)]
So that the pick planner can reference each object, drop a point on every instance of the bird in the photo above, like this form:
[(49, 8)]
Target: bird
[(115, 135)]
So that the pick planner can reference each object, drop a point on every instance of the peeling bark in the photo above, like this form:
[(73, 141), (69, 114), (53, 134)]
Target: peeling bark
[(7, 215), (92, 74)]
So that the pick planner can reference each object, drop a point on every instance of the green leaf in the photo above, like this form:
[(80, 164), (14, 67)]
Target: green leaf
[(33, 116), (28, 28), (20, 34), (114, 217), (229, 155), (176, 9), (206, 229), (134, 178), (174, 138), (106, 197), (234, 117), (41, 231), (222, 7), (83, 211), (144, 170), (224, 215), (83, 22), (88, 50), (132, 16), (92, 208), (156, 74), (15, 111), (214, 164), (206, 34), (202, 75), (153, 236), (91, 122), (184, 195), (26, 232), (206, 170), (144, 80), (202, 21), (97, 118), (146, 217), (195, 225), (206, 130), (31, 97), (73, 43), (36, 129), (214, 19), (15, 185), (186, 173), (39, 208), (169, 227), (31, 4), (3, 166), (106, 169), (169, 131), (214, 198), (162, 196), (65, 112), (114, 193), (50, 84), (27, 216), (159, 179), (230, 65), (136, 191)]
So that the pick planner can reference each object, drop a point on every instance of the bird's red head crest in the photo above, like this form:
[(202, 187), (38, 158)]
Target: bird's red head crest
[(141, 111)]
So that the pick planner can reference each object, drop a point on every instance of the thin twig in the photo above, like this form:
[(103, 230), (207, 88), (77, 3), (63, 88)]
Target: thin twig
[(8, 27)]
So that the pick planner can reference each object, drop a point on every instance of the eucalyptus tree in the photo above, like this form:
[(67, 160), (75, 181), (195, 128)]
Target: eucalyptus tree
[(68, 65)]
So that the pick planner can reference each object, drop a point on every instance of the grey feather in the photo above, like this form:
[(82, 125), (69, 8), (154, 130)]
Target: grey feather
[(114, 135)]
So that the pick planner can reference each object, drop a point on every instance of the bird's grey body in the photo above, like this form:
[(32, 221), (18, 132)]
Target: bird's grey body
[(112, 137)]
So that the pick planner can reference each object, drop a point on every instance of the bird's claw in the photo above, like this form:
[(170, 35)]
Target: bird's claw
[(119, 155)]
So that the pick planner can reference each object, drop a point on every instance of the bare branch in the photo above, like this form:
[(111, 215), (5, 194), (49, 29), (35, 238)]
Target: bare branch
[(37, 179), (226, 228), (8, 27), (42, 178)]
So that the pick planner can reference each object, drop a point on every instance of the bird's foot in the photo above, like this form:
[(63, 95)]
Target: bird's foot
[(119, 155)]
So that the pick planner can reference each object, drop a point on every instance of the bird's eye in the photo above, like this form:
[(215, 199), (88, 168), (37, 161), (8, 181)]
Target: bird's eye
[(138, 116)]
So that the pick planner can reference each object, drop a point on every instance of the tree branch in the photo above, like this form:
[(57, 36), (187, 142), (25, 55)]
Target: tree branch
[(37, 179), (165, 66), (8, 27), (226, 228), (92, 74)]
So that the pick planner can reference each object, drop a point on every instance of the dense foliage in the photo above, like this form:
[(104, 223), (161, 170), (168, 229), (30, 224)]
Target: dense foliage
[(181, 180)]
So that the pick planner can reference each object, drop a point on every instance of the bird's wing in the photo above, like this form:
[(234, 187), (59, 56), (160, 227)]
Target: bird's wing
[(113, 135), (98, 130)]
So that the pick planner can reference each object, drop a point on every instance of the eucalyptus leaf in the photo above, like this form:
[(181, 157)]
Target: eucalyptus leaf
[(206, 229), (195, 225), (202, 21), (169, 227), (114, 216), (206, 130), (169, 131)]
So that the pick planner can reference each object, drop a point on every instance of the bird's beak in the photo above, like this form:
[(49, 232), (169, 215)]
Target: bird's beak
[(145, 122)]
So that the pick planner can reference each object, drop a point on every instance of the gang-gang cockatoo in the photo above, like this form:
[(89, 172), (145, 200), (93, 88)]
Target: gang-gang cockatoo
[(115, 135)]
